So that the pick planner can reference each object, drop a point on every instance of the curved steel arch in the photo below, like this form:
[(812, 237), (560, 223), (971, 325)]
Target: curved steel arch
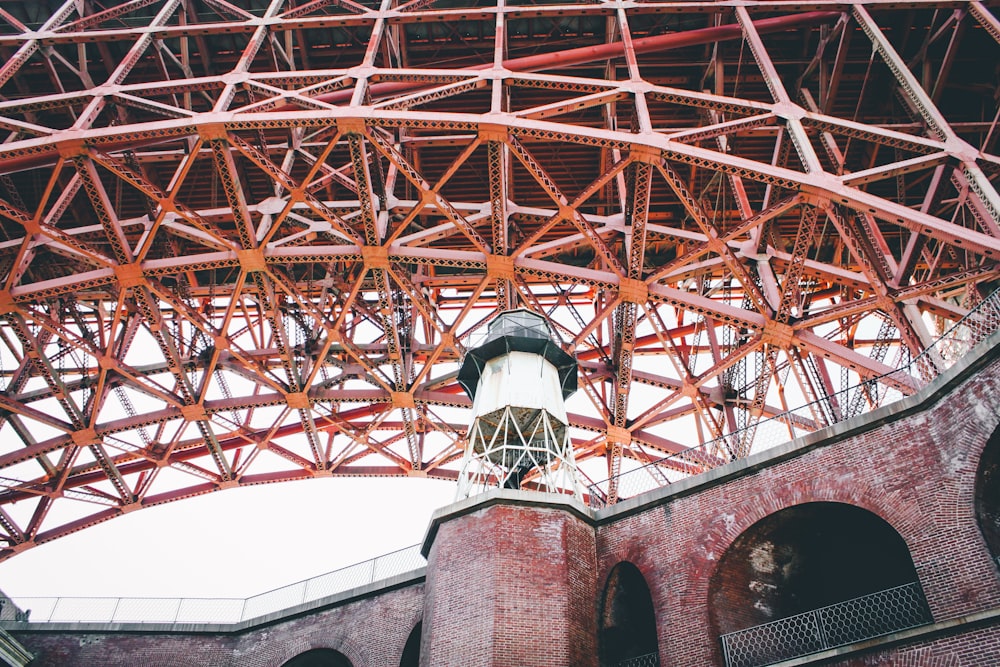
[(244, 246)]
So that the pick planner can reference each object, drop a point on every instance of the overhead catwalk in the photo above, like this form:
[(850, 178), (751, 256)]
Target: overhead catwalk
[(244, 243)]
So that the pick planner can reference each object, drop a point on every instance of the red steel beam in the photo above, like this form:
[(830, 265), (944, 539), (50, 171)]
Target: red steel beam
[(554, 60), (599, 52)]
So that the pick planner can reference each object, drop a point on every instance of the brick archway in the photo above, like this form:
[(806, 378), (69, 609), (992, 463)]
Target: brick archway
[(987, 494), (411, 651), (319, 657), (626, 620), (812, 556), (804, 557)]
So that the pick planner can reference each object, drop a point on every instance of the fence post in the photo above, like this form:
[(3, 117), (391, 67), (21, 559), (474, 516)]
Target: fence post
[(819, 628), (52, 613)]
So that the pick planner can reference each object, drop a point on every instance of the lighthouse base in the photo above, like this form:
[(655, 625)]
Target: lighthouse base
[(521, 568)]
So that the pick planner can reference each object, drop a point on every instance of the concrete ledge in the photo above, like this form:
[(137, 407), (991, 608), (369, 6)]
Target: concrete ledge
[(503, 497), (922, 633), (403, 580)]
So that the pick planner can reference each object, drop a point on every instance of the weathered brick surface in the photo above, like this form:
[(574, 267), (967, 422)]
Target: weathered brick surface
[(519, 585), (511, 586), (114, 650)]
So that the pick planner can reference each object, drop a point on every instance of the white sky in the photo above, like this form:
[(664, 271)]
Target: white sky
[(233, 543)]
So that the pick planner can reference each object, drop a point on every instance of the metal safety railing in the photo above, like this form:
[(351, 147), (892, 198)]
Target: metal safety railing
[(828, 627), (943, 353), (210, 610), (647, 660)]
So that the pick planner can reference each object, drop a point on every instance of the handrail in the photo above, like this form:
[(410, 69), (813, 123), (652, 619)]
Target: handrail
[(868, 395), (174, 611), (847, 622), (645, 660)]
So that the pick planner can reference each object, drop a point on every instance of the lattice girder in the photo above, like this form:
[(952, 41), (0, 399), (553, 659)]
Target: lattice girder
[(249, 245)]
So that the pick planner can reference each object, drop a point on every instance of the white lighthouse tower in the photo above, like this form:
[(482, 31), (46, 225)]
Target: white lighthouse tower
[(518, 380)]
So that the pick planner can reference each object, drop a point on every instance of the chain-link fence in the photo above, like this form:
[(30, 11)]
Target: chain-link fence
[(838, 624), (953, 345), (210, 610)]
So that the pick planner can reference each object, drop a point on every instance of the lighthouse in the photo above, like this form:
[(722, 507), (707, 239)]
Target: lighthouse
[(518, 380)]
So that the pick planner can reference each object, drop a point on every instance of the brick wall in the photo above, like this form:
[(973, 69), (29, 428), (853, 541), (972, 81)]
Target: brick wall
[(511, 585)]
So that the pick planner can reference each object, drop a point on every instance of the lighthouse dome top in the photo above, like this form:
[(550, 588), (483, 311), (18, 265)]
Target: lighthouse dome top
[(517, 330), (519, 322)]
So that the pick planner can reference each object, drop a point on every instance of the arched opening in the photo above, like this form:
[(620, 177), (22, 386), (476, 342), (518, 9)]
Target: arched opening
[(411, 651), (988, 494), (319, 657), (627, 624), (811, 577)]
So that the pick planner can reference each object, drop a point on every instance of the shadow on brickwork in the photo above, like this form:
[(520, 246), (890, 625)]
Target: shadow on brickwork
[(812, 577), (411, 651), (988, 494), (319, 657), (627, 624)]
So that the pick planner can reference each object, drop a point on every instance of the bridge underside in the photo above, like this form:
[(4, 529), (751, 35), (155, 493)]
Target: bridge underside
[(242, 246)]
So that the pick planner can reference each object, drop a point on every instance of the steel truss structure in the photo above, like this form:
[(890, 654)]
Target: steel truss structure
[(249, 242), (499, 448)]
